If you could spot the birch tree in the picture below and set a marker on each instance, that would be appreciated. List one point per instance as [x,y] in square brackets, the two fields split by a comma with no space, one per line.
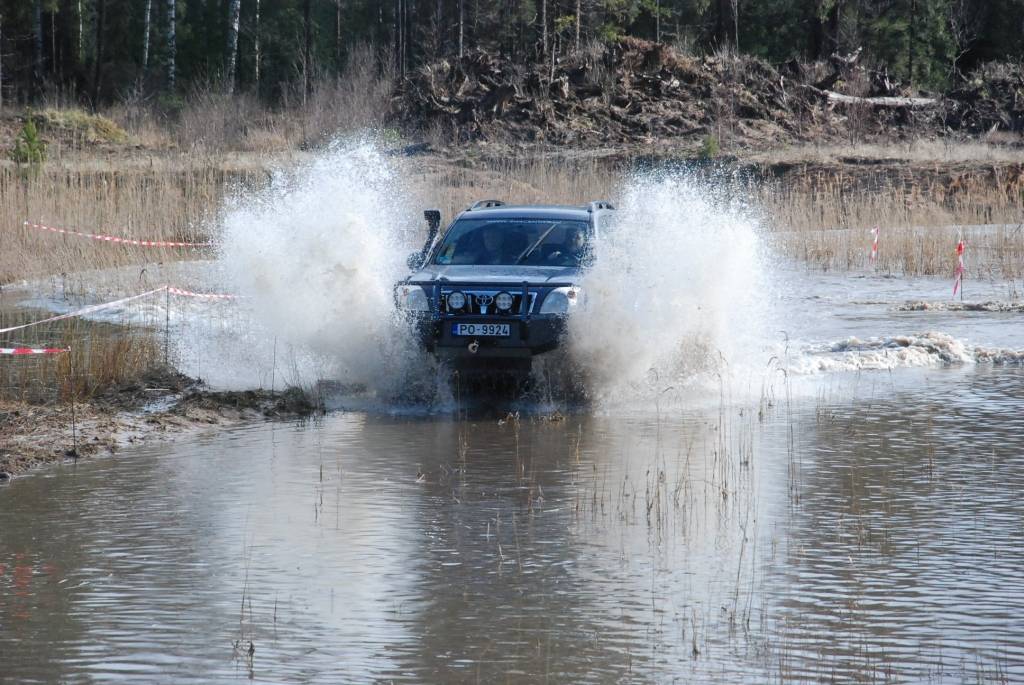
[97,74]
[145,36]
[234,11]
[37,43]
[172,45]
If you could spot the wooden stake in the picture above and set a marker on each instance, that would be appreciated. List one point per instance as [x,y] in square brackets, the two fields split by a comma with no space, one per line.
[74,418]
[167,325]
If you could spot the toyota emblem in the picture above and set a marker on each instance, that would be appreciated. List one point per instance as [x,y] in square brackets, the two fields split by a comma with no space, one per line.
[484,300]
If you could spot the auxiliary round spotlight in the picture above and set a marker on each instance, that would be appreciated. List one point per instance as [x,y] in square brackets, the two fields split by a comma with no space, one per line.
[456,300]
[503,301]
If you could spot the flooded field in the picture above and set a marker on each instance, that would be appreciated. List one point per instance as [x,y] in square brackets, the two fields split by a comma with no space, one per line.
[871,533]
[762,473]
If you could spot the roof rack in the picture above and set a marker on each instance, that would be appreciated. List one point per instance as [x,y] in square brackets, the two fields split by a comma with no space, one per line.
[599,205]
[486,204]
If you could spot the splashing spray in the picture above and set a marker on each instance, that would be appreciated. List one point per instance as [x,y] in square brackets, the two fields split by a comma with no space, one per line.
[318,255]
[673,292]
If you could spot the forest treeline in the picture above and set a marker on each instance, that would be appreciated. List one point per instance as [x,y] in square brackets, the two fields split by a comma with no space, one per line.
[97,51]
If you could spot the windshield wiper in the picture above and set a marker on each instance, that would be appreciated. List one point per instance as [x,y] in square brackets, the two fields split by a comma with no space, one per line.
[538,243]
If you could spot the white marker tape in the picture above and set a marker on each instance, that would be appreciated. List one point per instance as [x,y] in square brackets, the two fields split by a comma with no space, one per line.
[114,239]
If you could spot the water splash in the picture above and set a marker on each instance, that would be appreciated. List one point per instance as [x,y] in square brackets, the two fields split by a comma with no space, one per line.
[674,291]
[318,255]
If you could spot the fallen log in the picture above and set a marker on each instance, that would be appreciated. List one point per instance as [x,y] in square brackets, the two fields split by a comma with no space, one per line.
[882,101]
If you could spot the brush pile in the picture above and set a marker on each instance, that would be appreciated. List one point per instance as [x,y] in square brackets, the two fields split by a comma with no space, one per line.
[992,99]
[636,91]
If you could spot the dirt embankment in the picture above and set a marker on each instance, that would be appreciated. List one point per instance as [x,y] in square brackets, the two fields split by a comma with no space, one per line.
[638,92]
[158,406]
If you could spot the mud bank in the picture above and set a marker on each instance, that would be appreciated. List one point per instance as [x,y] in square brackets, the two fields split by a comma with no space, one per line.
[162,407]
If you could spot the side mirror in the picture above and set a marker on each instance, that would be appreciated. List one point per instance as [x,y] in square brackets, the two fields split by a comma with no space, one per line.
[415,261]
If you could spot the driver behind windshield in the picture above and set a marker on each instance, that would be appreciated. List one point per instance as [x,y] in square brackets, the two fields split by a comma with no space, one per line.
[572,250]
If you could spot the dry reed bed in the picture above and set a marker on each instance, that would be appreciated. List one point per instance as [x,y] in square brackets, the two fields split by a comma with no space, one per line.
[102,357]
[179,205]
[824,218]
[821,218]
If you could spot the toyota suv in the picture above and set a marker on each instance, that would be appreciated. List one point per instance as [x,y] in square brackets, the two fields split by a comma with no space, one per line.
[493,291]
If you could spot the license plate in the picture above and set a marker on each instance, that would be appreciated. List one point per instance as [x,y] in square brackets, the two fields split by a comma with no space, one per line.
[482,330]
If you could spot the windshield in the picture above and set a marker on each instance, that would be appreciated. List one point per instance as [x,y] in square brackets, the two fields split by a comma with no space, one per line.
[530,242]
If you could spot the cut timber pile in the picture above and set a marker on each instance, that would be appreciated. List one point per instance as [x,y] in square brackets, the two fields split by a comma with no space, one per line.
[638,91]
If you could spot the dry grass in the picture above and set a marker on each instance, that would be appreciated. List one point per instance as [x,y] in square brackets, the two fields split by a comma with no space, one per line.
[825,221]
[816,215]
[993,148]
[451,188]
[174,205]
[102,357]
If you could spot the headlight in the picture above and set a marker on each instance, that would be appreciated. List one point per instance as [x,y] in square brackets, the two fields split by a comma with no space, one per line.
[413,299]
[503,301]
[456,300]
[561,301]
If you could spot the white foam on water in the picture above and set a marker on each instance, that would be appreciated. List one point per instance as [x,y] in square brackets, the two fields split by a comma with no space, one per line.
[673,298]
[318,254]
[929,349]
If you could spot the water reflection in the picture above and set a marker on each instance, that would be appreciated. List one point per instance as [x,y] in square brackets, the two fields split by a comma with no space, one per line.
[866,534]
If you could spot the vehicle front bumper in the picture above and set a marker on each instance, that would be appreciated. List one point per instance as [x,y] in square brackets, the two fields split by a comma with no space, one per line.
[528,337]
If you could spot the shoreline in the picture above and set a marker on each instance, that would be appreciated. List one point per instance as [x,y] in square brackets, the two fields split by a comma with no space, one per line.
[163,407]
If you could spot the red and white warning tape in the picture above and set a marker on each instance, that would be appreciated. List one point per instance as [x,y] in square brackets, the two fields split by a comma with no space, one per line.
[33,350]
[85,310]
[115,239]
[114,303]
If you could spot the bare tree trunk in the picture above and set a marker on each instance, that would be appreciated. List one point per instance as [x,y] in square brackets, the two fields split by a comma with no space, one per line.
[441,32]
[337,36]
[462,26]
[256,47]
[234,11]
[37,44]
[97,74]
[53,41]
[657,21]
[544,27]
[172,44]
[1,62]
[736,24]
[579,20]
[835,44]
[910,42]
[307,48]
[399,48]
[145,37]
[81,35]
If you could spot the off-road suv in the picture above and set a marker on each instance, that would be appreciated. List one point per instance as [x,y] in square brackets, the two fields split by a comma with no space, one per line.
[494,290]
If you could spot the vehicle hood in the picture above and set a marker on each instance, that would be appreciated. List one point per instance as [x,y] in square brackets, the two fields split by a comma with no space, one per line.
[534,275]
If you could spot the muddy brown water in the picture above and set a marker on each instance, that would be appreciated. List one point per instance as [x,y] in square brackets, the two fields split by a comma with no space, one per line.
[871,532]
